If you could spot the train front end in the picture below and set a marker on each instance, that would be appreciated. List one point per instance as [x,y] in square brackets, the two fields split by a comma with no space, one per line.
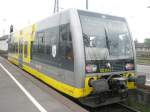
[109,58]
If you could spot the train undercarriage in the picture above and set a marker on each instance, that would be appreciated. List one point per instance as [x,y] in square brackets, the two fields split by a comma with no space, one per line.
[107,90]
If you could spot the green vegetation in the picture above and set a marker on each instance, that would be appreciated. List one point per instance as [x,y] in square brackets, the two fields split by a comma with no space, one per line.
[147,42]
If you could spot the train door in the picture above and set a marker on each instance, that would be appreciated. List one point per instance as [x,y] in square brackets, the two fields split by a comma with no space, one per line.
[20,59]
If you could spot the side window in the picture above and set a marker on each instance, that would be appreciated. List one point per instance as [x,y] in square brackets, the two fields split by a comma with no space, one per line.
[35,47]
[53,46]
[16,50]
[38,45]
[41,42]
[43,45]
[31,52]
[20,47]
[25,49]
[13,47]
[10,45]
[47,42]
[66,47]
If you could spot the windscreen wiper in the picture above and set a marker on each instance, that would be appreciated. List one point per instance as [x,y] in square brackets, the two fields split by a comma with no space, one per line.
[107,41]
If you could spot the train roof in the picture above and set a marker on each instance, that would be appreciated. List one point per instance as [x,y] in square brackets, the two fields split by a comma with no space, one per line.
[101,15]
[87,12]
[44,23]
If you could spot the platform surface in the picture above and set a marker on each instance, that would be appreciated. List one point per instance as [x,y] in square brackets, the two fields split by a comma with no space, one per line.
[14,99]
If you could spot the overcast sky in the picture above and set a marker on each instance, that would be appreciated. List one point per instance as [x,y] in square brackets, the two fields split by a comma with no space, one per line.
[21,13]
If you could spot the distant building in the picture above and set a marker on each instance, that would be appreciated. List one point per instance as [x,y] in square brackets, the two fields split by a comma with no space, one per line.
[4,43]
[141,47]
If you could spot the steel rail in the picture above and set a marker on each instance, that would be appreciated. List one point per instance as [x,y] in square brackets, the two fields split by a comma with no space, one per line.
[128,107]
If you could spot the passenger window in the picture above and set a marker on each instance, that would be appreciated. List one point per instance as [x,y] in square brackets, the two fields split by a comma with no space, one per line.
[20,47]
[25,49]
[53,45]
[42,46]
[66,47]
[41,42]
[17,48]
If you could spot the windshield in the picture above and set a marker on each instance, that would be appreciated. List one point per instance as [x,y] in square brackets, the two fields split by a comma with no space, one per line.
[105,38]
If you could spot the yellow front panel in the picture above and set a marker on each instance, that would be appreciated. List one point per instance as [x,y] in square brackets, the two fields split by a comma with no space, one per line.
[131,85]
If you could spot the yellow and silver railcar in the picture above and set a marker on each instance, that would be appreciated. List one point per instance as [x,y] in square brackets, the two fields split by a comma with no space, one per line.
[86,55]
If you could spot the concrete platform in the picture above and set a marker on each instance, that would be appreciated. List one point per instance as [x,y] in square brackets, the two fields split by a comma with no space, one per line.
[39,97]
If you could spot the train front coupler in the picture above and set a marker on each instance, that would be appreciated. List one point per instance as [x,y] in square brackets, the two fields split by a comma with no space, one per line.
[115,86]
[106,90]
[119,86]
[109,91]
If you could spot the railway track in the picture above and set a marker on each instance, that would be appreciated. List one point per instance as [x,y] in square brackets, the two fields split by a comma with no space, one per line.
[118,107]
[130,109]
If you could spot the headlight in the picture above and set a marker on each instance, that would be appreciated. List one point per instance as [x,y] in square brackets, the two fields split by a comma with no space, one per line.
[129,66]
[91,68]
